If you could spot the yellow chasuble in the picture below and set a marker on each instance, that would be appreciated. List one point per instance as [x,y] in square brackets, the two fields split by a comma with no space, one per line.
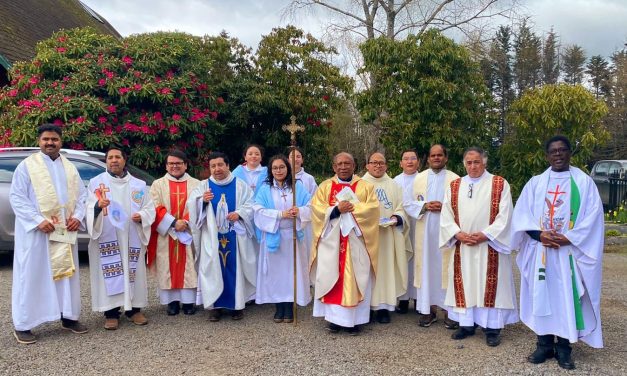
[61,259]
[333,260]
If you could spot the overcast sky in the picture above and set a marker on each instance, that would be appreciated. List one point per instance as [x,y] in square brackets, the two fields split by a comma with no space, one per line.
[599,26]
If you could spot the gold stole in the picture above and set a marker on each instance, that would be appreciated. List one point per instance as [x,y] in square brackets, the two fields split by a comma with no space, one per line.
[61,259]
[420,188]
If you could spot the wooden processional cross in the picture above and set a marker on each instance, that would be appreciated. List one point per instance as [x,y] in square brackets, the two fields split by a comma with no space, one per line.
[292,127]
[101,194]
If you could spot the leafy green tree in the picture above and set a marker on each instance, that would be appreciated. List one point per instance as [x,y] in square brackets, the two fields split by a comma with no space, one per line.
[528,60]
[430,91]
[573,64]
[599,72]
[545,112]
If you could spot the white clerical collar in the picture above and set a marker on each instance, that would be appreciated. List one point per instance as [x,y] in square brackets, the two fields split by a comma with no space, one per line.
[174,178]
[477,179]
[224,181]
[344,181]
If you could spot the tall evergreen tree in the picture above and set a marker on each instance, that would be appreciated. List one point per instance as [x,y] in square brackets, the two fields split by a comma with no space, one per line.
[501,78]
[573,61]
[550,59]
[599,72]
[528,61]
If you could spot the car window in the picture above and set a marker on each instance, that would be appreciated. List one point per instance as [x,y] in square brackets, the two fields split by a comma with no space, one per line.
[140,174]
[601,169]
[614,170]
[7,167]
[87,170]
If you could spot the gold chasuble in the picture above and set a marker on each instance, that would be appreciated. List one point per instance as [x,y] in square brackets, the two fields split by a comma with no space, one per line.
[336,259]
[61,260]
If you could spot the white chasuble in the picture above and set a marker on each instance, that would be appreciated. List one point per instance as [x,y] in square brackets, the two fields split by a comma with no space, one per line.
[204,224]
[117,248]
[480,286]
[560,290]
[36,296]
[394,245]
[430,265]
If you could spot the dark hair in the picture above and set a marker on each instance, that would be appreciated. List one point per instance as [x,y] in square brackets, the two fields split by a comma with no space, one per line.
[295,148]
[216,155]
[124,155]
[377,152]
[252,146]
[288,177]
[443,149]
[557,138]
[176,153]
[408,151]
[47,127]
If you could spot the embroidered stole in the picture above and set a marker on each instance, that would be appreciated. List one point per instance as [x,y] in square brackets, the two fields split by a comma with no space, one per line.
[61,258]
[224,202]
[493,256]
[109,246]
[335,295]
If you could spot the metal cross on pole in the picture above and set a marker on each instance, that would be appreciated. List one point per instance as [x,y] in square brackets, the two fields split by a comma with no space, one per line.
[292,127]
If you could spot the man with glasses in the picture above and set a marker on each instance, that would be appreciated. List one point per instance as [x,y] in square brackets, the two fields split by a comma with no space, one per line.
[475,225]
[345,222]
[558,227]
[170,253]
[430,266]
[394,246]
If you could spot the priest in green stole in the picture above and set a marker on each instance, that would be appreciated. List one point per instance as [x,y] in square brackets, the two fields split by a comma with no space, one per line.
[48,215]
[345,222]
[558,227]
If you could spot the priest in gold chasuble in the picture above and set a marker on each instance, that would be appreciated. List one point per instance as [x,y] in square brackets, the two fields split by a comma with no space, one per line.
[170,252]
[345,222]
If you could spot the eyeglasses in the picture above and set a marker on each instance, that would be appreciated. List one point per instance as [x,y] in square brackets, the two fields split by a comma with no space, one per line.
[470,190]
[558,151]
[377,163]
[410,159]
[175,164]
[279,168]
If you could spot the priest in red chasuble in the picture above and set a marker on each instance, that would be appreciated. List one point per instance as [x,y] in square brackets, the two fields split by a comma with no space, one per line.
[170,252]
[345,223]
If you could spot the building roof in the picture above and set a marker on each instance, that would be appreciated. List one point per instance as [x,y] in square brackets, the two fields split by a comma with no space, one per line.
[26,22]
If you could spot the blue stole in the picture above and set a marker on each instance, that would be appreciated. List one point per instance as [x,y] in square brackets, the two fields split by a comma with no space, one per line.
[227,244]
[264,198]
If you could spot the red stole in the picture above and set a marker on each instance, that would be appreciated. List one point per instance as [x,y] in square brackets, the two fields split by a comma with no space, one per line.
[334,296]
[492,272]
[177,250]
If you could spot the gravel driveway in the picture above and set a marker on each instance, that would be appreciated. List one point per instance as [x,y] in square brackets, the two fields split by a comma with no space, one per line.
[191,345]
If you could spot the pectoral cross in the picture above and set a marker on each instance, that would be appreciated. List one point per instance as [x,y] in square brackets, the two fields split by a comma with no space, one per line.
[552,207]
[284,195]
[101,194]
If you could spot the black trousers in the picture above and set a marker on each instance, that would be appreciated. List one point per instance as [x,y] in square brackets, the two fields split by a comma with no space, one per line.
[114,313]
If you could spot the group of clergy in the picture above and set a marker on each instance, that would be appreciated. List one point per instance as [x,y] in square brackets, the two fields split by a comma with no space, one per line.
[366,245]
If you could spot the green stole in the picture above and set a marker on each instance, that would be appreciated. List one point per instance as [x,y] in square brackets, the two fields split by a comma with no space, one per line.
[575,204]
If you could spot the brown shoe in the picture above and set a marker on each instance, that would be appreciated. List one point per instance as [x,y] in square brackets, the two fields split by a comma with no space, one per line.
[74,326]
[214,315]
[237,314]
[25,337]
[450,324]
[111,324]
[139,319]
[426,320]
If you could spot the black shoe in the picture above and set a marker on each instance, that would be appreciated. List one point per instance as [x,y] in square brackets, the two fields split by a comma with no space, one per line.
[174,308]
[74,326]
[463,332]
[383,316]
[562,353]
[354,331]
[25,337]
[403,307]
[237,314]
[493,339]
[541,354]
[189,309]
[279,313]
[288,310]
[333,328]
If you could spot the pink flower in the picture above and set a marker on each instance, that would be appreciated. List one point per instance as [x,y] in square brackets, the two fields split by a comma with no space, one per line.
[157,116]
[214,115]
[137,87]
[169,75]
[137,74]
[36,91]
[102,119]
[176,117]
[111,108]
[66,99]
[183,91]
[173,129]
[127,60]
[54,84]
[34,80]
[157,79]
[77,146]
[13,93]
[61,49]
[145,129]
[219,100]
[125,142]
[165,90]
[313,109]
[58,122]
[325,98]
[143,118]
[61,39]
[108,131]
[80,119]
[109,74]
[66,79]
[102,82]
[176,101]
[123,90]
[157,149]
[317,123]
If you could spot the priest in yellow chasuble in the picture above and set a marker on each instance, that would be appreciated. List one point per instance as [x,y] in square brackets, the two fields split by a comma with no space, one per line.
[170,252]
[394,244]
[345,222]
